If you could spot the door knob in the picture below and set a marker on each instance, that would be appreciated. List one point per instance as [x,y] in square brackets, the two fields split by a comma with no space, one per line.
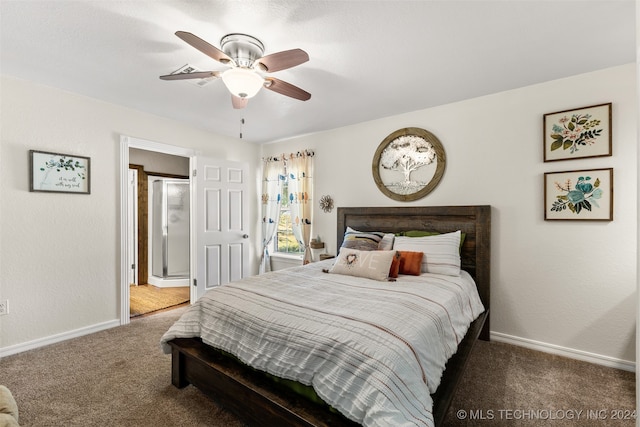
[245,236]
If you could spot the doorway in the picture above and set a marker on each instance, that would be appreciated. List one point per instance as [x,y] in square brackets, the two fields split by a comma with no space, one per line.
[149,159]
[160,228]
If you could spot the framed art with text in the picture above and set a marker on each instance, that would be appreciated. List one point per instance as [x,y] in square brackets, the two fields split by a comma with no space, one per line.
[579,195]
[578,133]
[59,173]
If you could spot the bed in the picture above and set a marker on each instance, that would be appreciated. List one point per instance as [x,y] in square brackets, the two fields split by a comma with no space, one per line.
[260,401]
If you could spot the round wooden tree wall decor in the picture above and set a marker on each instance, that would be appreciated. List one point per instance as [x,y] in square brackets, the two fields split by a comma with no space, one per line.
[408,164]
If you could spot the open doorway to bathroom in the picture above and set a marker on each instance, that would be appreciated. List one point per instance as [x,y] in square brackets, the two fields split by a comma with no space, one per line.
[159,223]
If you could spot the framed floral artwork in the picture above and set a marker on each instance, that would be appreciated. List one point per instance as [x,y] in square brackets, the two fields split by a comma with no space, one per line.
[59,173]
[579,195]
[579,133]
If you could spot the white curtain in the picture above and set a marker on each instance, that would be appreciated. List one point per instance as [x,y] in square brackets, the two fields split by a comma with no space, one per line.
[272,179]
[300,184]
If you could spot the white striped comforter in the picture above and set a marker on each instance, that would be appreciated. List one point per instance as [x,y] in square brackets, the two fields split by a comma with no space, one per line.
[373,350]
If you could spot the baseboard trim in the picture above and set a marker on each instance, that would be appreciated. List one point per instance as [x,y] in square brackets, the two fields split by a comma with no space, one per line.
[167,283]
[571,353]
[41,342]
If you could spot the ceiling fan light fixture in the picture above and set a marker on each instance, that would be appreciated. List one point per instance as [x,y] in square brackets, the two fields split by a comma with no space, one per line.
[242,82]
[245,55]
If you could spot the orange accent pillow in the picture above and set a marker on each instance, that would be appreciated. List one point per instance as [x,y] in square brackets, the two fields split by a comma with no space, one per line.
[410,263]
[395,265]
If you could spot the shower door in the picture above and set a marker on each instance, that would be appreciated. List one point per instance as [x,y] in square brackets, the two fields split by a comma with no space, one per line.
[170,229]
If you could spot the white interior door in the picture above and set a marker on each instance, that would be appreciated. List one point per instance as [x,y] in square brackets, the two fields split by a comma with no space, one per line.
[222,223]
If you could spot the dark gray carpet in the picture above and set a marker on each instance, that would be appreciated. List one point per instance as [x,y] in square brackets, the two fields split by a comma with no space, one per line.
[513,386]
[120,377]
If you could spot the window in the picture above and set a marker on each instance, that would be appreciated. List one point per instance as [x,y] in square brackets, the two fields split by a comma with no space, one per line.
[287,211]
[285,241]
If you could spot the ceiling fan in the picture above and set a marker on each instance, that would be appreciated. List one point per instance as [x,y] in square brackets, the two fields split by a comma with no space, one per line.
[244,54]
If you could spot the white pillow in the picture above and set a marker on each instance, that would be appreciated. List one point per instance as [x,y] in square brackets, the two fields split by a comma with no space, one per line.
[370,264]
[386,244]
[441,252]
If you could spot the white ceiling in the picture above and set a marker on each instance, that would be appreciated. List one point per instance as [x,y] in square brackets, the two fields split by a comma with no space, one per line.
[368,59]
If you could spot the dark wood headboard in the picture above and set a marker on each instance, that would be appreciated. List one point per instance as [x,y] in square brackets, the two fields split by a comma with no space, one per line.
[474,221]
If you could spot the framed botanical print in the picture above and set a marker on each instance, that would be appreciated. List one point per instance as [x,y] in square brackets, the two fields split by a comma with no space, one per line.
[578,133]
[59,173]
[579,195]
[408,164]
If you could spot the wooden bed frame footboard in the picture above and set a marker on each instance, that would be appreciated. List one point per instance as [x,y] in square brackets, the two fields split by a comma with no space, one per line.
[257,401]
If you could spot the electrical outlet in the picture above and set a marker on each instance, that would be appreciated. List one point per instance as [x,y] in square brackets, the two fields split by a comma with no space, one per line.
[4,307]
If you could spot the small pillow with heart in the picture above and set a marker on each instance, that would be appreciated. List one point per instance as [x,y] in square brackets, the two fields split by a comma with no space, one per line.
[370,264]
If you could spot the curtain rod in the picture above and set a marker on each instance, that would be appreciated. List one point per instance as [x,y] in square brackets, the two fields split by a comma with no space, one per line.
[284,157]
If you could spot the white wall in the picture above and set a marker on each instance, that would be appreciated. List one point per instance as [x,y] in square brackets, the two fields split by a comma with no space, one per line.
[566,287]
[60,253]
